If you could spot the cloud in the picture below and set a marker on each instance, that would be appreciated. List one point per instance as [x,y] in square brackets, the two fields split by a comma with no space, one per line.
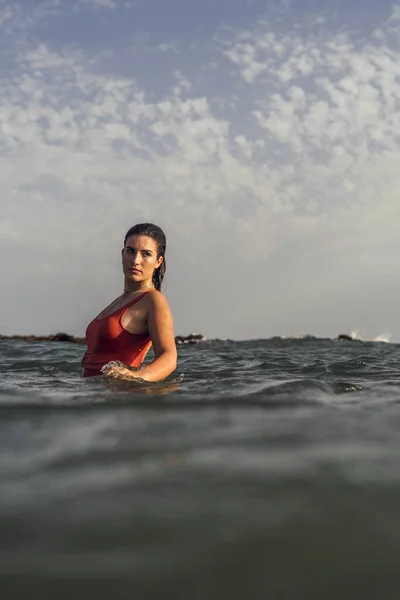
[97,4]
[278,186]
[16,17]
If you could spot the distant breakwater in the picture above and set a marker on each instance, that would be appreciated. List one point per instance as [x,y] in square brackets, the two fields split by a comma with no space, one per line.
[192,338]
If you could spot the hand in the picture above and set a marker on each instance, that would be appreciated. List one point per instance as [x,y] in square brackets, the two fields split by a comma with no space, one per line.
[117,370]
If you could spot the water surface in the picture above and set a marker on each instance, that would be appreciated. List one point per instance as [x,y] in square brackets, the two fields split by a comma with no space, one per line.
[271,471]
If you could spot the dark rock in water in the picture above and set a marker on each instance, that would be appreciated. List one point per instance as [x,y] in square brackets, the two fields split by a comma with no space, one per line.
[62,337]
[345,337]
[192,338]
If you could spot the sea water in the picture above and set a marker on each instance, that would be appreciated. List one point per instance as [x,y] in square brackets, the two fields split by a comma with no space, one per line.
[271,471]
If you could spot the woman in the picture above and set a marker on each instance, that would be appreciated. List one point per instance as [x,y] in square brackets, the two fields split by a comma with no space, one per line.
[139,318]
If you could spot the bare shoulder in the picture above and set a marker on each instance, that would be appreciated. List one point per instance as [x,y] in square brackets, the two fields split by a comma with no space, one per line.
[156,300]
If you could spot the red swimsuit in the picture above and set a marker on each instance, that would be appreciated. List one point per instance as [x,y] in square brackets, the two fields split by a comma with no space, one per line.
[107,340]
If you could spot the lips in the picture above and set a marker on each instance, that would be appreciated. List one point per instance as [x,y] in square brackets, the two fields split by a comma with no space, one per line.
[136,271]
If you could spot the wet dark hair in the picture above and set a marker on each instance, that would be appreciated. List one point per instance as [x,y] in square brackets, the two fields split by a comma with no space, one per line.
[155,233]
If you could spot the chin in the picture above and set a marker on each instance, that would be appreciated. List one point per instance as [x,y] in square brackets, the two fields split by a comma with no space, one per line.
[137,279]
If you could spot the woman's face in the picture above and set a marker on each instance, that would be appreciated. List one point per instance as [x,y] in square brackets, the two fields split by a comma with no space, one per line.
[139,258]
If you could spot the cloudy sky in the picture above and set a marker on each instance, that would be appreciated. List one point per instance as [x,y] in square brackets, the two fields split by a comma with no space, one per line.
[263,136]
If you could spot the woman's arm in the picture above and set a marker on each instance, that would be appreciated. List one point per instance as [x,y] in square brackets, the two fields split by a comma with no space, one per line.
[161,330]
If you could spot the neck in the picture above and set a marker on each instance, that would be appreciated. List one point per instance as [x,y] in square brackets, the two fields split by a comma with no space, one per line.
[130,287]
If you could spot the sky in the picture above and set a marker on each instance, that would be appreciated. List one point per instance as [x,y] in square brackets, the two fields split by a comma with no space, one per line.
[262,136]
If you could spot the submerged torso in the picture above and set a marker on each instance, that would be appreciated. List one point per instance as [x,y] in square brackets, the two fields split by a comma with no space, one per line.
[107,340]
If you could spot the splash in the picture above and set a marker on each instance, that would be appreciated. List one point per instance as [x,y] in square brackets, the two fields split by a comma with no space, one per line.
[383,337]
[355,335]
